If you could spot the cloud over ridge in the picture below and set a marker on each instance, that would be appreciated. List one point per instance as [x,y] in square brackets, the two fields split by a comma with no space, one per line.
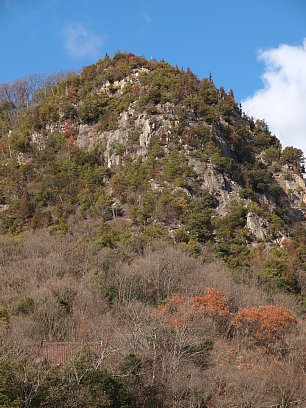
[80,42]
[282,100]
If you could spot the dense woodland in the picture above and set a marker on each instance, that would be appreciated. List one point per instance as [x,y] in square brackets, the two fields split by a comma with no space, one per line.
[188,306]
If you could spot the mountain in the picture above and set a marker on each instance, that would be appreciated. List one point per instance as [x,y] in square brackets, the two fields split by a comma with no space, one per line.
[144,145]
[117,184]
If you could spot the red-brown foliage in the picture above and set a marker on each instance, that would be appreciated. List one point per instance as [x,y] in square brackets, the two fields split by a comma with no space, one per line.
[175,311]
[117,184]
[178,309]
[212,301]
[69,130]
[264,324]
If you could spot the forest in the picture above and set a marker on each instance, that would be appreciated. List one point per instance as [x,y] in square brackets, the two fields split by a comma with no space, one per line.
[152,244]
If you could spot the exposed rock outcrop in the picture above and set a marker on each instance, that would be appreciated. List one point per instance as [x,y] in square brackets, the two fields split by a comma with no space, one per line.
[258,226]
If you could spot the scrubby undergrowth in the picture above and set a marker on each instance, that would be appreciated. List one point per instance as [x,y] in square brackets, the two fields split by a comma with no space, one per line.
[173,330]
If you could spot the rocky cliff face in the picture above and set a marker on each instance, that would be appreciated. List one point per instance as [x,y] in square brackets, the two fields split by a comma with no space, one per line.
[209,177]
[145,124]
[221,185]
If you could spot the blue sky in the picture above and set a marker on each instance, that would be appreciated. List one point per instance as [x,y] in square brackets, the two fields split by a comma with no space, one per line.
[223,37]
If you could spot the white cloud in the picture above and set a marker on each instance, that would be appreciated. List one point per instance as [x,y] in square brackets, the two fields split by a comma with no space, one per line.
[282,101]
[147,18]
[79,42]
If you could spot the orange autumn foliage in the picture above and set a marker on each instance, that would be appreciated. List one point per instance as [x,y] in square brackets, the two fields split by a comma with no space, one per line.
[178,309]
[212,301]
[263,324]
[175,311]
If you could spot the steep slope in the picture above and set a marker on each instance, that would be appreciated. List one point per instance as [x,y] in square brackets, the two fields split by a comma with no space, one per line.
[152,246]
[139,144]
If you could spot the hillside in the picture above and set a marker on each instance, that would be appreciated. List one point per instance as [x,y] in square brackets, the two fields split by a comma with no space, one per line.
[145,217]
